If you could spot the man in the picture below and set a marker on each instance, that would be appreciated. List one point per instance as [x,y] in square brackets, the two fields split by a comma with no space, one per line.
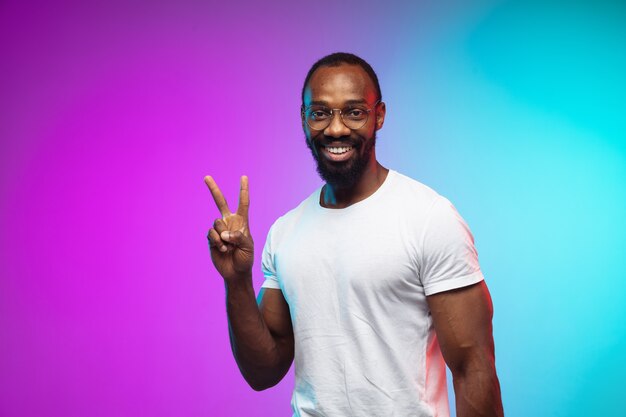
[371,282]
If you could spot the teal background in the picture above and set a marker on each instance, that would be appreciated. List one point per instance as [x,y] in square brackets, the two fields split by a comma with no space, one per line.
[519,117]
[111,114]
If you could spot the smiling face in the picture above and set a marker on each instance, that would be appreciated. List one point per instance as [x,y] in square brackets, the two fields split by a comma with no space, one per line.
[343,154]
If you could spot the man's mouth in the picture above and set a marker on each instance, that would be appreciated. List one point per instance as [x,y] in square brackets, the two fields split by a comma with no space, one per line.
[338,149]
[338,153]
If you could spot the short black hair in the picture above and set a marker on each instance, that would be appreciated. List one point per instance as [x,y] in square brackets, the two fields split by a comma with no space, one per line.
[338,58]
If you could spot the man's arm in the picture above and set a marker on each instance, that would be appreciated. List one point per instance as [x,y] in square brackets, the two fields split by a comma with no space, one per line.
[261,338]
[462,320]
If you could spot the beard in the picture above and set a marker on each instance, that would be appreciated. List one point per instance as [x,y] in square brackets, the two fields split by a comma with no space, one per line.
[344,174]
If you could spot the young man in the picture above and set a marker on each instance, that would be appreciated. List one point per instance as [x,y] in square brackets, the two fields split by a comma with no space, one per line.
[371,282]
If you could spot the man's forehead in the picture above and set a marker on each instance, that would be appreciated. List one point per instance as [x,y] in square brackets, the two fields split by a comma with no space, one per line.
[339,83]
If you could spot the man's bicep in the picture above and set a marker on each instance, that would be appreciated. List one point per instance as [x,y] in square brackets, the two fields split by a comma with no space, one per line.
[275,312]
[462,320]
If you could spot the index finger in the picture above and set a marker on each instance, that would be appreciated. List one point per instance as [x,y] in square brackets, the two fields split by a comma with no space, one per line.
[219,199]
[244,198]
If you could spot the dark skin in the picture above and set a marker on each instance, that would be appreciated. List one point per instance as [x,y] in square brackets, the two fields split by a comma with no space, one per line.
[261,331]
[261,335]
[334,87]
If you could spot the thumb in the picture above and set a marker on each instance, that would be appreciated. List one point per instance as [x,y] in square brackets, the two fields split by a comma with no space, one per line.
[236,238]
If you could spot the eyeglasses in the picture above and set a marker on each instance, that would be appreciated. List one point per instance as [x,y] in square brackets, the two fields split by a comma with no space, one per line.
[354,117]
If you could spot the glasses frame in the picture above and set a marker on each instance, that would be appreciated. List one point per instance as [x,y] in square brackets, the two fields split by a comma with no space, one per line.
[332,114]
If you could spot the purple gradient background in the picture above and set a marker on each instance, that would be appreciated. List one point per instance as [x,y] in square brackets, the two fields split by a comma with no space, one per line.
[112,113]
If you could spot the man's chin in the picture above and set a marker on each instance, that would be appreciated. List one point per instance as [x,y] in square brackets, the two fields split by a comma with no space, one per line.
[344,174]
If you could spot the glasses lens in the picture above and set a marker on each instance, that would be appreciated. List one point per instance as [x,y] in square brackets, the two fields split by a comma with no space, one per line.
[318,118]
[354,117]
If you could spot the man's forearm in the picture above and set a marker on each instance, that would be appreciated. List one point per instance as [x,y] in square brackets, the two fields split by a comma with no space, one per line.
[477,393]
[254,348]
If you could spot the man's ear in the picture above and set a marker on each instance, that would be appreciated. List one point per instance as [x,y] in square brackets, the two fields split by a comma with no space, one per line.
[381,111]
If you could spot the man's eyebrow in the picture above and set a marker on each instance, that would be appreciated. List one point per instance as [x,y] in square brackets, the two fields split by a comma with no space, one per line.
[318,103]
[348,103]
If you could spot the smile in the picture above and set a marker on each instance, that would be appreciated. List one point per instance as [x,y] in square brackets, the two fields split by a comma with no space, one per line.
[337,153]
[339,150]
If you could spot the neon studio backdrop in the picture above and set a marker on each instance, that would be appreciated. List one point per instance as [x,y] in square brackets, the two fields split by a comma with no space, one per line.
[113,112]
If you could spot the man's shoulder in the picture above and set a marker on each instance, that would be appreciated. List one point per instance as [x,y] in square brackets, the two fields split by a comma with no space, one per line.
[412,190]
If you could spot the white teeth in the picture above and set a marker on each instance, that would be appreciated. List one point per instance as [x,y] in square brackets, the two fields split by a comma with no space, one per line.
[339,150]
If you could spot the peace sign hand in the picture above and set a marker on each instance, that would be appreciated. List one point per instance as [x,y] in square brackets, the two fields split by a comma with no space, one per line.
[232,248]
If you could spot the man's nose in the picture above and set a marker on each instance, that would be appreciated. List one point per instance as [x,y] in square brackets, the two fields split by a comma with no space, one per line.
[337,128]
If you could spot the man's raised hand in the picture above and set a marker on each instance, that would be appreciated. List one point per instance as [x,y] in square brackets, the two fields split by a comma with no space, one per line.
[232,248]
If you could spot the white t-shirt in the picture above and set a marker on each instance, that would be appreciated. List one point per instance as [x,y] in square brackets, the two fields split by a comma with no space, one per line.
[356,281]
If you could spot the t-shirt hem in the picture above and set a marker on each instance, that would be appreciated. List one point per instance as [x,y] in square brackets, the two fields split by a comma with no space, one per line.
[270,283]
[455,283]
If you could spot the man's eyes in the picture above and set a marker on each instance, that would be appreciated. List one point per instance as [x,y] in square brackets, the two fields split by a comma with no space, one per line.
[319,114]
[349,112]
[354,112]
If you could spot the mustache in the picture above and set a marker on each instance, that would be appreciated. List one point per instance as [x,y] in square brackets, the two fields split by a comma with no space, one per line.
[348,141]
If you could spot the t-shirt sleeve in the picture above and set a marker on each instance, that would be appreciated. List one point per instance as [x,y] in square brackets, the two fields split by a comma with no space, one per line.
[449,258]
[267,262]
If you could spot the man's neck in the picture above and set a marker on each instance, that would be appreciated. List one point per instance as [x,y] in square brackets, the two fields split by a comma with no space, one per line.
[338,198]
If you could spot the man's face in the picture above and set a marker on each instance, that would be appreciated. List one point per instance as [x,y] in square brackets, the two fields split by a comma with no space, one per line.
[342,154]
